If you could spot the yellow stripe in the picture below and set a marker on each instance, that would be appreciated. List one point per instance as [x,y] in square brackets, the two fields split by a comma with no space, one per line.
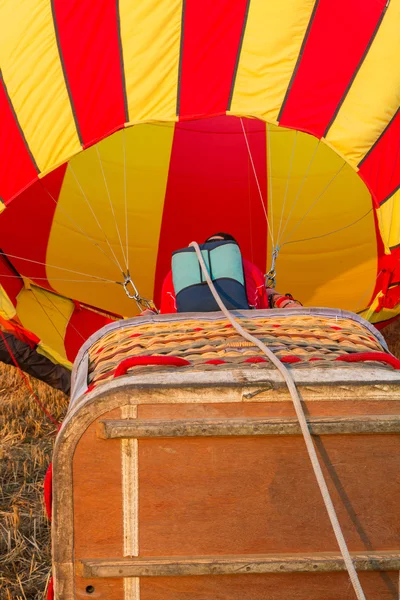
[148,150]
[339,269]
[150,36]
[383,315]
[271,45]
[47,315]
[374,95]
[389,220]
[373,306]
[32,72]
[55,357]
[7,308]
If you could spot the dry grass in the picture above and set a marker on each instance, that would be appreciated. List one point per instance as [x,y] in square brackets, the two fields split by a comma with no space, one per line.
[26,441]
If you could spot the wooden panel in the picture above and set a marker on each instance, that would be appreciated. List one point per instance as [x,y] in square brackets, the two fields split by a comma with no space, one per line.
[201,496]
[334,586]
[233,565]
[106,589]
[266,409]
[156,428]
[97,492]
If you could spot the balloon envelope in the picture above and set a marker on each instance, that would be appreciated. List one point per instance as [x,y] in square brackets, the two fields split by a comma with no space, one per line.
[126,135]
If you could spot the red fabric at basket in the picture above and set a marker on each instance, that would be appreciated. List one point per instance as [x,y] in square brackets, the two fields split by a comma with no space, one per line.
[48,490]
[376,356]
[133,361]
[50,590]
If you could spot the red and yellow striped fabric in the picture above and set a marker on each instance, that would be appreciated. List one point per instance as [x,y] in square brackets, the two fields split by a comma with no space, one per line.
[129,129]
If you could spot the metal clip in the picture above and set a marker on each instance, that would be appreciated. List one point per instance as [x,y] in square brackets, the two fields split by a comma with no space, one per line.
[133,294]
[270,277]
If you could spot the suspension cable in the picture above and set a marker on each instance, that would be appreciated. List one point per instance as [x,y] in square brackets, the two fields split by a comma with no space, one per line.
[111,204]
[95,218]
[256,179]
[48,316]
[79,228]
[315,202]
[287,376]
[317,237]
[303,181]
[126,202]
[37,262]
[34,278]
[67,319]
[287,186]
[269,179]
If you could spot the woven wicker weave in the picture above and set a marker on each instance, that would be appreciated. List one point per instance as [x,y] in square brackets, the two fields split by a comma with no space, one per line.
[301,338]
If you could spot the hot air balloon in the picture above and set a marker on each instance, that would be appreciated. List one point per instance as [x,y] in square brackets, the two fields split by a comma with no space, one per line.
[126,132]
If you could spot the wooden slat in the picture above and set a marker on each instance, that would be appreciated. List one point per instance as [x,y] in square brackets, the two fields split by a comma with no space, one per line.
[234,565]
[154,428]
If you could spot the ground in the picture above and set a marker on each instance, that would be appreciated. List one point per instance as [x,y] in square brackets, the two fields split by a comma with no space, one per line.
[26,441]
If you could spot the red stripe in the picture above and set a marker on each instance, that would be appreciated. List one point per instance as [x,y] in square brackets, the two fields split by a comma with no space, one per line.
[211,39]
[9,280]
[211,187]
[25,226]
[337,40]
[82,324]
[87,34]
[381,168]
[17,169]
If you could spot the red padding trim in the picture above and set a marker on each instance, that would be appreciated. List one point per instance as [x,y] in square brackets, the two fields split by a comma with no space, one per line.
[48,490]
[377,356]
[215,361]
[50,590]
[290,359]
[255,359]
[134,361]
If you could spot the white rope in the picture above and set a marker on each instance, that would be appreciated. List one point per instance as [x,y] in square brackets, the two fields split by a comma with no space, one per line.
[303,181]
[256,178]
[95,218]
[287,187]
[111,205]
[67,319]
[317,237]
[34,278]
[37,262]
[315,202]
[303,425]
[269,180]
[79,228]
[48,316]
[126,203]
